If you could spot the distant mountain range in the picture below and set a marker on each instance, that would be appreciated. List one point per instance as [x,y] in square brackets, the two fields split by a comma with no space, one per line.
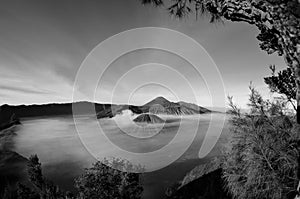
[159,105]
[11,114]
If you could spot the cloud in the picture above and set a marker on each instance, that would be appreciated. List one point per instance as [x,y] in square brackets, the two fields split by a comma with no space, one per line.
[44,43]
[25,90]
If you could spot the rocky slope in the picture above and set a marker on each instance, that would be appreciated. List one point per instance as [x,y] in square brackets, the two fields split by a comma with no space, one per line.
[148,118]
[205,182]
[161,105]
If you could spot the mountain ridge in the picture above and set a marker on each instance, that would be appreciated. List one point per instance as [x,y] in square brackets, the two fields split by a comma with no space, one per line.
[158,105]
[159,100]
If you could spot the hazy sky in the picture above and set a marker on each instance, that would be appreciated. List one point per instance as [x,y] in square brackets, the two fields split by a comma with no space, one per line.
[43,43]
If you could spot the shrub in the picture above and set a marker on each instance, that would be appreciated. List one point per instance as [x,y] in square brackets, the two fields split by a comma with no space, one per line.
[110,180]
[43,187]
[106,179]
[261,159]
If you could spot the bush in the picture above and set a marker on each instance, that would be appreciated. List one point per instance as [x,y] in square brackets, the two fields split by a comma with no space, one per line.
[115,179]
[43,187]
[261,159]
[110,180]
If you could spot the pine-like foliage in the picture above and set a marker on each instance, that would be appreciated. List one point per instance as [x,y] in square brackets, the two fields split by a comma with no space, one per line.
[261,160]
[283,82]
[110,180]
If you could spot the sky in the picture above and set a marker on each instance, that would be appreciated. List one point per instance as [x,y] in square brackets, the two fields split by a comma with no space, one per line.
[44,43]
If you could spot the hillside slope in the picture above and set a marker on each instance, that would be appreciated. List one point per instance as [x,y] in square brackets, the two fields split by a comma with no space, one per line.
[148,118]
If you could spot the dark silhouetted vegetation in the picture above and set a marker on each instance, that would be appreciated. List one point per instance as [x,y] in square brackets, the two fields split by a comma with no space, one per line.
[283,83]
[109,180]
[105,180]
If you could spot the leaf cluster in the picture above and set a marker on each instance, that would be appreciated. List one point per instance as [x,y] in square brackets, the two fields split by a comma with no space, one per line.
[261,160]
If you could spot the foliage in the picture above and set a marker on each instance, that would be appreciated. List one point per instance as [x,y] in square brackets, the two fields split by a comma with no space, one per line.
[45,188]
[35,171]
[260,106]
[24,192]
[8,192]
[283,83]
[110,179]
[261,160]
[116,179]
[42,188]
[274,18]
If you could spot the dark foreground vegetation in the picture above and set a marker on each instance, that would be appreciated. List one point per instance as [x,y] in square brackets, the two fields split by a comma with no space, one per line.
[105,180]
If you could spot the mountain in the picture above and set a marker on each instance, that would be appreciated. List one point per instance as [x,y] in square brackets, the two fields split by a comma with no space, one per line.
[148,118]
[8,122]
[194,107]
[160,101]
[10,115]
[160,105]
